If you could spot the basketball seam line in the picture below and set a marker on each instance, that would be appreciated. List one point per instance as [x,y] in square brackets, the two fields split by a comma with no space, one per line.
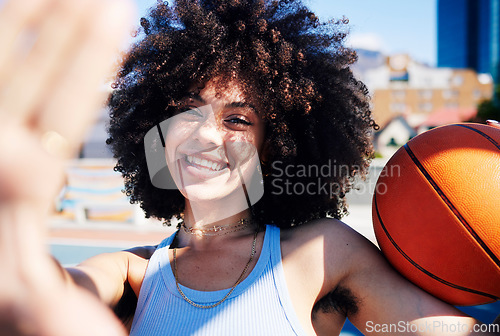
[490,139]
[450,205]
[423,270]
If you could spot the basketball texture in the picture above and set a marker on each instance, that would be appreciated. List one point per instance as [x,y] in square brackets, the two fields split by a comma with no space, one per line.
[436,212]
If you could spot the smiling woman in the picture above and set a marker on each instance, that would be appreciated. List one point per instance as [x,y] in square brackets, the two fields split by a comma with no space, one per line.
[295,76]
[211,151]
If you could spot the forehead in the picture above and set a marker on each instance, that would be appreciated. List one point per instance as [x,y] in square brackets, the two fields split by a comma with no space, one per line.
[213,90]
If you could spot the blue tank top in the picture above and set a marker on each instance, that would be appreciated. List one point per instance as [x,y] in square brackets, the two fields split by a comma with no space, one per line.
[260,304]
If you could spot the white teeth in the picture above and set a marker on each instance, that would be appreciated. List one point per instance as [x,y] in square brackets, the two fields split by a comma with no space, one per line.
[209,165]
[216,166]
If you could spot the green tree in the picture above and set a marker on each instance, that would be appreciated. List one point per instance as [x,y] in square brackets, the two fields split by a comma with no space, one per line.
[489,109]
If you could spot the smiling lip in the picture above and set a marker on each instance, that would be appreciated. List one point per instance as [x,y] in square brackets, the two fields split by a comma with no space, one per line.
[205,164]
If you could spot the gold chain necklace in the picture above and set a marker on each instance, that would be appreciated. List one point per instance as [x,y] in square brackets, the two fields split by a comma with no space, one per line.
[218,230]
[228,293]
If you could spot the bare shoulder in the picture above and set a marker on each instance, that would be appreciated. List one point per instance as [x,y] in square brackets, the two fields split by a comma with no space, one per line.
[120,259]
[143,252]
[328,228]
[138,260]
[329,246]
[335,240]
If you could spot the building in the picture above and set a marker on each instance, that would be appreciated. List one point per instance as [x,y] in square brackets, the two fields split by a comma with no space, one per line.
[469,35]
[402,87]
[367,60]
[393,135]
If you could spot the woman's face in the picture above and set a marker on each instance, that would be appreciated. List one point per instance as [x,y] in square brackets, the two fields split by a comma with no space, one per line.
[212,146]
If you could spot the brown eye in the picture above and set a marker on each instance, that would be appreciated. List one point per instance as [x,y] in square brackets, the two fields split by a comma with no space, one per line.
[238,120]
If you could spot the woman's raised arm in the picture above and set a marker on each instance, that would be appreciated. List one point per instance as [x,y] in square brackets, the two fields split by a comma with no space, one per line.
[54,57]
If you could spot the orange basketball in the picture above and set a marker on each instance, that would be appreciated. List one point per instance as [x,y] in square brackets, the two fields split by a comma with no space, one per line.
[436,212]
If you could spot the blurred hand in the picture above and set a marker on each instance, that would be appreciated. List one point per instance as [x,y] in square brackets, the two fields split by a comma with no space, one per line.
[493,123]
[55,57]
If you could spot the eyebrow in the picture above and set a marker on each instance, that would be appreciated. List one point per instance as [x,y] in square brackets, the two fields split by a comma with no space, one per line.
[241,104]
[233,104]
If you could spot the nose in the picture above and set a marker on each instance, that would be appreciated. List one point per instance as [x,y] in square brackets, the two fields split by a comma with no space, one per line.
[209,133]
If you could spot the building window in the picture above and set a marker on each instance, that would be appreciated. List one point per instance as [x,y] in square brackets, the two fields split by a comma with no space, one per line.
[477,94]
[425,94]
[398,107]
[425,107]
[399,76]
[457,80]
[398,94]
[450,94]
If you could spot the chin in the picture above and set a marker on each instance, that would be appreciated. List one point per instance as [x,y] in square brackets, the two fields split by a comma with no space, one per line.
[209,191]
[222,202]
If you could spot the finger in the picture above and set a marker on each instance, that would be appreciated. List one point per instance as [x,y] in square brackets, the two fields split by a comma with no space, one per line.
[27,172]
[31,80]
[22,237]
[79,93]
[16,18]
[493,123]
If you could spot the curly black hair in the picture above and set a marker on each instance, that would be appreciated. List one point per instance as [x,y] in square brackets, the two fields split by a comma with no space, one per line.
[316,113]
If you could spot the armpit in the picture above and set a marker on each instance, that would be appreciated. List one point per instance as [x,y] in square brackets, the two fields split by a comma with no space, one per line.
[340,300]
[125,308]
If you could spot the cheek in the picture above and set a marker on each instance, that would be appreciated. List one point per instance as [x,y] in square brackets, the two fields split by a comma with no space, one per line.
[241,149]
[173,139]
[170,150]
[240,152]
[259,143]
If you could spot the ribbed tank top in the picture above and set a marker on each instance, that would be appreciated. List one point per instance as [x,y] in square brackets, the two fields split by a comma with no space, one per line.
[260,304]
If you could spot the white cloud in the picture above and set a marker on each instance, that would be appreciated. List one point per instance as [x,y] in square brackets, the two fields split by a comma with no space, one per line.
[368,41]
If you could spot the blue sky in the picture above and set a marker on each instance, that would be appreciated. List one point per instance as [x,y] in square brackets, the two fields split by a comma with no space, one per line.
[391,26]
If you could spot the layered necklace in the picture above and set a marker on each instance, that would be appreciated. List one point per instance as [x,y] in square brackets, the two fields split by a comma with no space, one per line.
[212,231]
[218,230]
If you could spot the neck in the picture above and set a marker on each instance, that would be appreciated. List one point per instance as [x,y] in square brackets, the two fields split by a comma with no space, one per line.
[232,227]
[203,212]
[202,215]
